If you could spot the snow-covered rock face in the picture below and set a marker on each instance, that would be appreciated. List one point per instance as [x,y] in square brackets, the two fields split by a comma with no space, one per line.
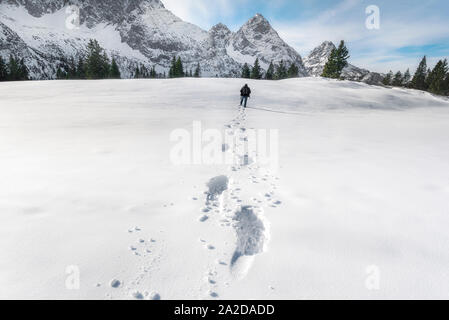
[134,32]
[92,10]
[317,59]
[258,39]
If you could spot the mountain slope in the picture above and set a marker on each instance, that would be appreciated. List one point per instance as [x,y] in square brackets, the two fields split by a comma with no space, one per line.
[257,38]
[134,32]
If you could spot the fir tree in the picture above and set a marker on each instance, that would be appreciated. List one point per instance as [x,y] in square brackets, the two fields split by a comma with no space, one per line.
[342,57]
[153,73]
[60,74]
[71,69]
[13,69]
[397,79]
[23,71]
[256,71]
[446,85]
[281,71]
[246,73]
[3,70]
[419,79]
[388,79]
[270,72]
[137,73]
[437,78]
[171,72]
[114,73]
[105,66]
[197,73]
[144,73]
[97,62]
[179,70]
[293,71]
[330,68]
[80,69]
[338,60]
[406,79]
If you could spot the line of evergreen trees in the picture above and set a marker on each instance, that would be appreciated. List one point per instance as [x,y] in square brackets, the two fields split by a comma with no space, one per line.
[177,69]
[14,70]
[434,80]
[143,72]
[273,72]
[95,65]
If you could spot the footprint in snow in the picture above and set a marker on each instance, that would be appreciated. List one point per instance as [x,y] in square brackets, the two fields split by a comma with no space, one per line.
[137,295]
[222,263]
[115,283]
[154,296]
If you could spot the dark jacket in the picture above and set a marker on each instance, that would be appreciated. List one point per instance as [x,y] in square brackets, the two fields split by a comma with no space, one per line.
[245,91]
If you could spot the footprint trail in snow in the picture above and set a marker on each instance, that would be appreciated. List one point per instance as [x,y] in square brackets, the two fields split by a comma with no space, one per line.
[237,202]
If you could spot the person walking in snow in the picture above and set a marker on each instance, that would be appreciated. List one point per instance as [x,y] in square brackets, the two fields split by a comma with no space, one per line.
[245,93]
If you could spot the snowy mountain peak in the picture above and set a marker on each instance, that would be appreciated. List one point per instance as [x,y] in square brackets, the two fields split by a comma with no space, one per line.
[326,46]
[323,50]
[219,36]
[257,39]
[318,58]
[220,28]
[258,24]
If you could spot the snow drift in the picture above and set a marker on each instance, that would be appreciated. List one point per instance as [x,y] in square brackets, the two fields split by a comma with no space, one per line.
[92,207]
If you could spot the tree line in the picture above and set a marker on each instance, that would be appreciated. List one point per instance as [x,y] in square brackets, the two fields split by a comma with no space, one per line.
[94,65]
[97,65]
[13,70]
[338,60]
[177,69]
[274,72]
[434,80]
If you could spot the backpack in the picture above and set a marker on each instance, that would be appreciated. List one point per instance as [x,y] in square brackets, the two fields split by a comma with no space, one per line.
[245,91]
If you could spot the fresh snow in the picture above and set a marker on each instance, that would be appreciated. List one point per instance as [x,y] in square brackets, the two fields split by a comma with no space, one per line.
[88,189]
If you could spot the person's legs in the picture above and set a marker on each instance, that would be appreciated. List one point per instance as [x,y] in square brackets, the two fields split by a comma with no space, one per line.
[246,101]
[241,100]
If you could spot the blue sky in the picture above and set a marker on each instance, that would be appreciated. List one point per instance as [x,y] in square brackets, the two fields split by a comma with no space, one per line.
[408,28]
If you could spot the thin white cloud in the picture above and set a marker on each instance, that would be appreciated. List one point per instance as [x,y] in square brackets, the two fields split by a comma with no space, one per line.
[200,12]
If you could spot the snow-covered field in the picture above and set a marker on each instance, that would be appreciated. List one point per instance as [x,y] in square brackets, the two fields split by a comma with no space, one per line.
[359,207]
